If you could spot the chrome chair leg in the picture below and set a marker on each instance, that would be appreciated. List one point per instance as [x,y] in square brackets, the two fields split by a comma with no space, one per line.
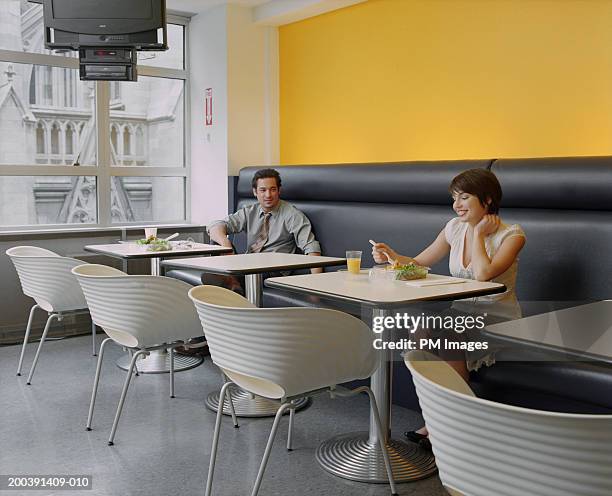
[215,443]
[290,431]
[94,391]
[231,403]
[266,455]
[93,338]
[25,338]
[374,407]
[381,439]
[40,345]
[126,385]
[171,350]
[131,353]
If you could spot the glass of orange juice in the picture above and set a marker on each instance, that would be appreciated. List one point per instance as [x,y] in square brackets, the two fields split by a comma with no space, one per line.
[353,261]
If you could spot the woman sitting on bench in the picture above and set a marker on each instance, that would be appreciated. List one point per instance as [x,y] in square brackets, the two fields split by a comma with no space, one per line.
[481,247]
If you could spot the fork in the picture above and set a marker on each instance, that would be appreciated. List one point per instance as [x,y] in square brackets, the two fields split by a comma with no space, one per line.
[391,261]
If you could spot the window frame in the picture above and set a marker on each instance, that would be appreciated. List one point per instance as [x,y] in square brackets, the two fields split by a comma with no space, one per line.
[104,171]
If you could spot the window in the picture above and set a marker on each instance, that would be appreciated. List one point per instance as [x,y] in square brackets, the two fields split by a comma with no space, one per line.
[156,105]
[126,142]
[49,199]
[139,143]
[159,199]
[55,139]
[89,153]
[69,149]
[47,87]
[171,59]
[115,148]
[115,89]
[40,139]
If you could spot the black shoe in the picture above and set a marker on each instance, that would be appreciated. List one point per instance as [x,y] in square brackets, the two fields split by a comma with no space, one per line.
[195,346]
[203,351]
[421,439]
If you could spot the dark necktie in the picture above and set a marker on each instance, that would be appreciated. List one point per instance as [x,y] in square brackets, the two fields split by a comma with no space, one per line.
[262,234]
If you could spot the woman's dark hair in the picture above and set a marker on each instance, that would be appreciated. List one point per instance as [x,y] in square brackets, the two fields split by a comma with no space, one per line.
[481,183]
[265,173]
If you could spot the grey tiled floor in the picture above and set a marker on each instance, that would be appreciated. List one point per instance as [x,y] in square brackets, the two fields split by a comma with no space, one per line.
[162,444]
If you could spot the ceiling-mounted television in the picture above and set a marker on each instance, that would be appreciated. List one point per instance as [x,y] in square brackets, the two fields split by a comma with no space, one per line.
[137,24]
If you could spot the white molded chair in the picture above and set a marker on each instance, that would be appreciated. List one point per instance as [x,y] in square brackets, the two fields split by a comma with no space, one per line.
[283,354]
[45,276]
[484,448]
[141,313]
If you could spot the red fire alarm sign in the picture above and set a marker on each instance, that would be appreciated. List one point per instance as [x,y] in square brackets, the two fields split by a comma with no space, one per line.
[208,107]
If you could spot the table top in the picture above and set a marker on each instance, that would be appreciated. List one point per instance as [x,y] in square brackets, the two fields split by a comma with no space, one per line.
[132,250]
[357,288]
[585,330]
[256,263]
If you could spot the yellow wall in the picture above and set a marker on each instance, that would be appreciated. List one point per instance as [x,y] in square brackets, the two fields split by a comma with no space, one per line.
[394,80]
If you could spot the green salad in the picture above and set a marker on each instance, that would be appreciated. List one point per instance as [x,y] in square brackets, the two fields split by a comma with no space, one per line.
[154,244]
[410,271]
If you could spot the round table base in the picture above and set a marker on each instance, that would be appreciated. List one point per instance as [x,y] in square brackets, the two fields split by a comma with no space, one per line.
[351,456]
[159,363]
[247,405]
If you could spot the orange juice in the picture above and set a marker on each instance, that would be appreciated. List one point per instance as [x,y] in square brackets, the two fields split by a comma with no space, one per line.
[353,264]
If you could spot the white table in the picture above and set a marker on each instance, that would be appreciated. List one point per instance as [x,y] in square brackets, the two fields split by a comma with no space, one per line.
[130,251]
[582,332]
[252,266]
[158,361]
[356,456]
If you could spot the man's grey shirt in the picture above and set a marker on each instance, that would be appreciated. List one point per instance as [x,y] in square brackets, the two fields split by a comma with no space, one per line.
[289,228]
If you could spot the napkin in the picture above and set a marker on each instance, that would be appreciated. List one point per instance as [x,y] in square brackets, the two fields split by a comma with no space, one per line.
[433,280]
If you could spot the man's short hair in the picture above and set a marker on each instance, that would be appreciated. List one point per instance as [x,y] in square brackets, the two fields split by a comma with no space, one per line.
[265,173]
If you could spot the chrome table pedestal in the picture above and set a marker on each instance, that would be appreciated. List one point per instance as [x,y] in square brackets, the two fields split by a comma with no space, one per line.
[357,456]
[353,456]
[158,362]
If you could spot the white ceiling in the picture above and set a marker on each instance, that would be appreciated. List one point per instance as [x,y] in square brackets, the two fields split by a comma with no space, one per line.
[199,6]
[266,12]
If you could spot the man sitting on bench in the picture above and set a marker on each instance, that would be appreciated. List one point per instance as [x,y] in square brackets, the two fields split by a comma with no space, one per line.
[271,224]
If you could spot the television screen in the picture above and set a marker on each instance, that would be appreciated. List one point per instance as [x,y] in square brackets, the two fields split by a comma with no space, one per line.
[137,24]
[107,9]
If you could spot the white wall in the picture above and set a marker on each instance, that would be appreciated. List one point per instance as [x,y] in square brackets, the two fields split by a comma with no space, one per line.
[209,150]
[239,61]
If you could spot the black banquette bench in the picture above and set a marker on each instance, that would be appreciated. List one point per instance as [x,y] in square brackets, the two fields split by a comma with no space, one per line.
[563,204]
